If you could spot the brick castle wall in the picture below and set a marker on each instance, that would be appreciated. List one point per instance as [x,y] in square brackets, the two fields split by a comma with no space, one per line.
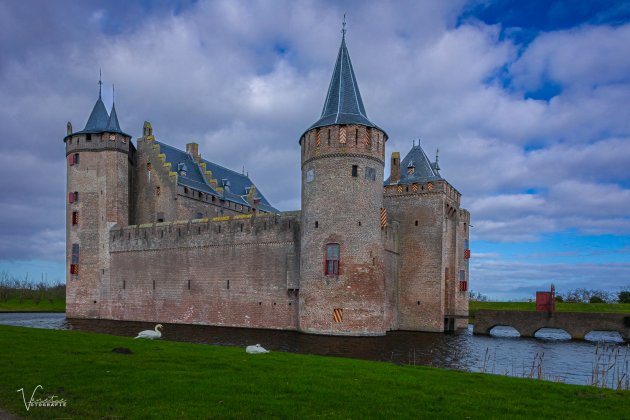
[239,272]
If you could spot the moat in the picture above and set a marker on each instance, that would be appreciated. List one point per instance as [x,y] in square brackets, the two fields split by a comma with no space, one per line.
[562,360]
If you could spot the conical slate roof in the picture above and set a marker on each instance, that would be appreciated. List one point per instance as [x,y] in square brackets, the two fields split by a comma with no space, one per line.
[423,169]
[343,102]
[112,124]
[99,118]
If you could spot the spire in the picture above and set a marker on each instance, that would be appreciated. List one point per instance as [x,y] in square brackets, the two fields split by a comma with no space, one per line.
[98,118]
[100,83]
[343,103]
[112,123]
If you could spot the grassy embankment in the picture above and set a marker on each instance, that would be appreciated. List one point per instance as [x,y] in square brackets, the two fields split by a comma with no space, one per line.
[560,307]
[165,379]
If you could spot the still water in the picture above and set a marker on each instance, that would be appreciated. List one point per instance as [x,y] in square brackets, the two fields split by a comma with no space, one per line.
[550,356]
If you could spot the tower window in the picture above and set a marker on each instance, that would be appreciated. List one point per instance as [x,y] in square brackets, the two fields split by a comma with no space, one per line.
[355,170]
[332,260]
[73,197]
[370,173]
[148,166]
[76,158]
[316,224]
[88,137]
[356,136]
[75,218]
[158,190]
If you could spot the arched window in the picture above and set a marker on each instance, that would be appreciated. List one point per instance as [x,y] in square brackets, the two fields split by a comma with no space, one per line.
[332,260]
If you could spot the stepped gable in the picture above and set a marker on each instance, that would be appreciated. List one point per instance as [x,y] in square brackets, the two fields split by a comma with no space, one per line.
[423,169]
[235,186]
[343,104]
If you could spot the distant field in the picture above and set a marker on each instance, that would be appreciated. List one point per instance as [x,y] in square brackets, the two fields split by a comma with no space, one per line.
[560,307]
[29,305]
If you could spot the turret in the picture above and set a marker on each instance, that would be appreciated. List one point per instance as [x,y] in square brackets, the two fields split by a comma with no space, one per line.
[99,161]
[342,282]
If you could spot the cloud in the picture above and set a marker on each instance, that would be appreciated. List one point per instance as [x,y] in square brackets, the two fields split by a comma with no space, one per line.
[245,80]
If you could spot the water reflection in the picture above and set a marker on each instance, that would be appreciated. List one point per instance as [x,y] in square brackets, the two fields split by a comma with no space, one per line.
[565,361]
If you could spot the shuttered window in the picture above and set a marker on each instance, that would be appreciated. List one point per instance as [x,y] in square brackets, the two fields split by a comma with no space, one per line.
[332,260]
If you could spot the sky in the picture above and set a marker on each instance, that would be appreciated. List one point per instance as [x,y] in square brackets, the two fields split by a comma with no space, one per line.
[528,103]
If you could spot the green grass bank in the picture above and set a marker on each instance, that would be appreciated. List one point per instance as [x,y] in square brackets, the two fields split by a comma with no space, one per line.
[13,304]
[165,379]
[560,307]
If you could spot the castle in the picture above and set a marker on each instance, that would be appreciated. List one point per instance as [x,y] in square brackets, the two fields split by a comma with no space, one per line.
[159,234]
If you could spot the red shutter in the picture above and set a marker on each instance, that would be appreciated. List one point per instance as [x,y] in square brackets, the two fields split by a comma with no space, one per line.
[70,160]
[74,268]
[71,197]
[467,253]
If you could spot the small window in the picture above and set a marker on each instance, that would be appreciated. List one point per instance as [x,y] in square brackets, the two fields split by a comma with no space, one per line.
[332,260]
[76,158]
[416,223]
[148,166]
[112,136]
[462,275]
[75,254]
[76,196]
[158,190]
[160,217]
[88,137]
[310,175]
[75,218]
[316,224]
[185,190]
[199,215]
[370,173]
[355,170]
[188,284]
[465,243]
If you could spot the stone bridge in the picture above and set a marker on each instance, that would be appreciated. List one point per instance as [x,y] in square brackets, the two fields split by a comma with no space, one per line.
[577,324]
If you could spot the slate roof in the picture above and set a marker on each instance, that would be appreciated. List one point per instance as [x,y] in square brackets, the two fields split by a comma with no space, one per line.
[424,169]
[343,103]
[100,121]
[239,184]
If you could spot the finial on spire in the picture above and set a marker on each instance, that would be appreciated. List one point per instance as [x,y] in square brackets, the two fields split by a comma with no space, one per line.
[100,83]
[113,94]
[343,26]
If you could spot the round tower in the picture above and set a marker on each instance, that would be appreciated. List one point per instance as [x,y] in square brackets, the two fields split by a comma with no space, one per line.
[99,162]
[342,280]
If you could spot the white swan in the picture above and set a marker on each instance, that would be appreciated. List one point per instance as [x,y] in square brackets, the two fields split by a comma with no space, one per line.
[150,334]
[256,349]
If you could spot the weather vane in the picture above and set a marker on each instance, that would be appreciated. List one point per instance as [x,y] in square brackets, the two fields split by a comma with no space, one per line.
[343,25]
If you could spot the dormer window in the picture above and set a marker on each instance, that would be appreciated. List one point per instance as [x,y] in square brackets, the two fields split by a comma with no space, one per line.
[411,168]
[182,169]
[112,136]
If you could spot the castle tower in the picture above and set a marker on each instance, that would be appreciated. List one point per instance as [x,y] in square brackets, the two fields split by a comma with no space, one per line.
[433,238]
[99,164]
[342,281]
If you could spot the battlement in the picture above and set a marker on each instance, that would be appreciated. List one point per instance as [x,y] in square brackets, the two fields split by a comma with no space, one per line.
[98,142]
[237,230]
[343,140]
[430,187]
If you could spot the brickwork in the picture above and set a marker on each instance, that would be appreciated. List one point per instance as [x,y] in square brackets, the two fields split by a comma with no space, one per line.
[239,272]
[341,202]
[99,183]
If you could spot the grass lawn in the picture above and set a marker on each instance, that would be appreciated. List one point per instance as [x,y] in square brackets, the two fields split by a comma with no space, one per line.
[560,307]
[29,305]
[165,379]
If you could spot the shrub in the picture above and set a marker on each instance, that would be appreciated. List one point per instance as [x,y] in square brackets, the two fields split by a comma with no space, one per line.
[596,299]
[624,296]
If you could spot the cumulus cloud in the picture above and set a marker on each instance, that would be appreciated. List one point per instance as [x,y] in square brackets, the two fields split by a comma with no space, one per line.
[244,80]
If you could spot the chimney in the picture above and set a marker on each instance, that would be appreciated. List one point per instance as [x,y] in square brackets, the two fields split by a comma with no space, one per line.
[394,170]
[193,149]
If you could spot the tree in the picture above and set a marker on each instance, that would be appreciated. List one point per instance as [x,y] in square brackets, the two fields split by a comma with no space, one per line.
[596,299]
[624,296]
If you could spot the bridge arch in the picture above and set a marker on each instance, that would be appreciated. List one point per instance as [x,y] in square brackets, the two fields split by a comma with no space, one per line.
[604,335]
[552,333]
[503,331]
